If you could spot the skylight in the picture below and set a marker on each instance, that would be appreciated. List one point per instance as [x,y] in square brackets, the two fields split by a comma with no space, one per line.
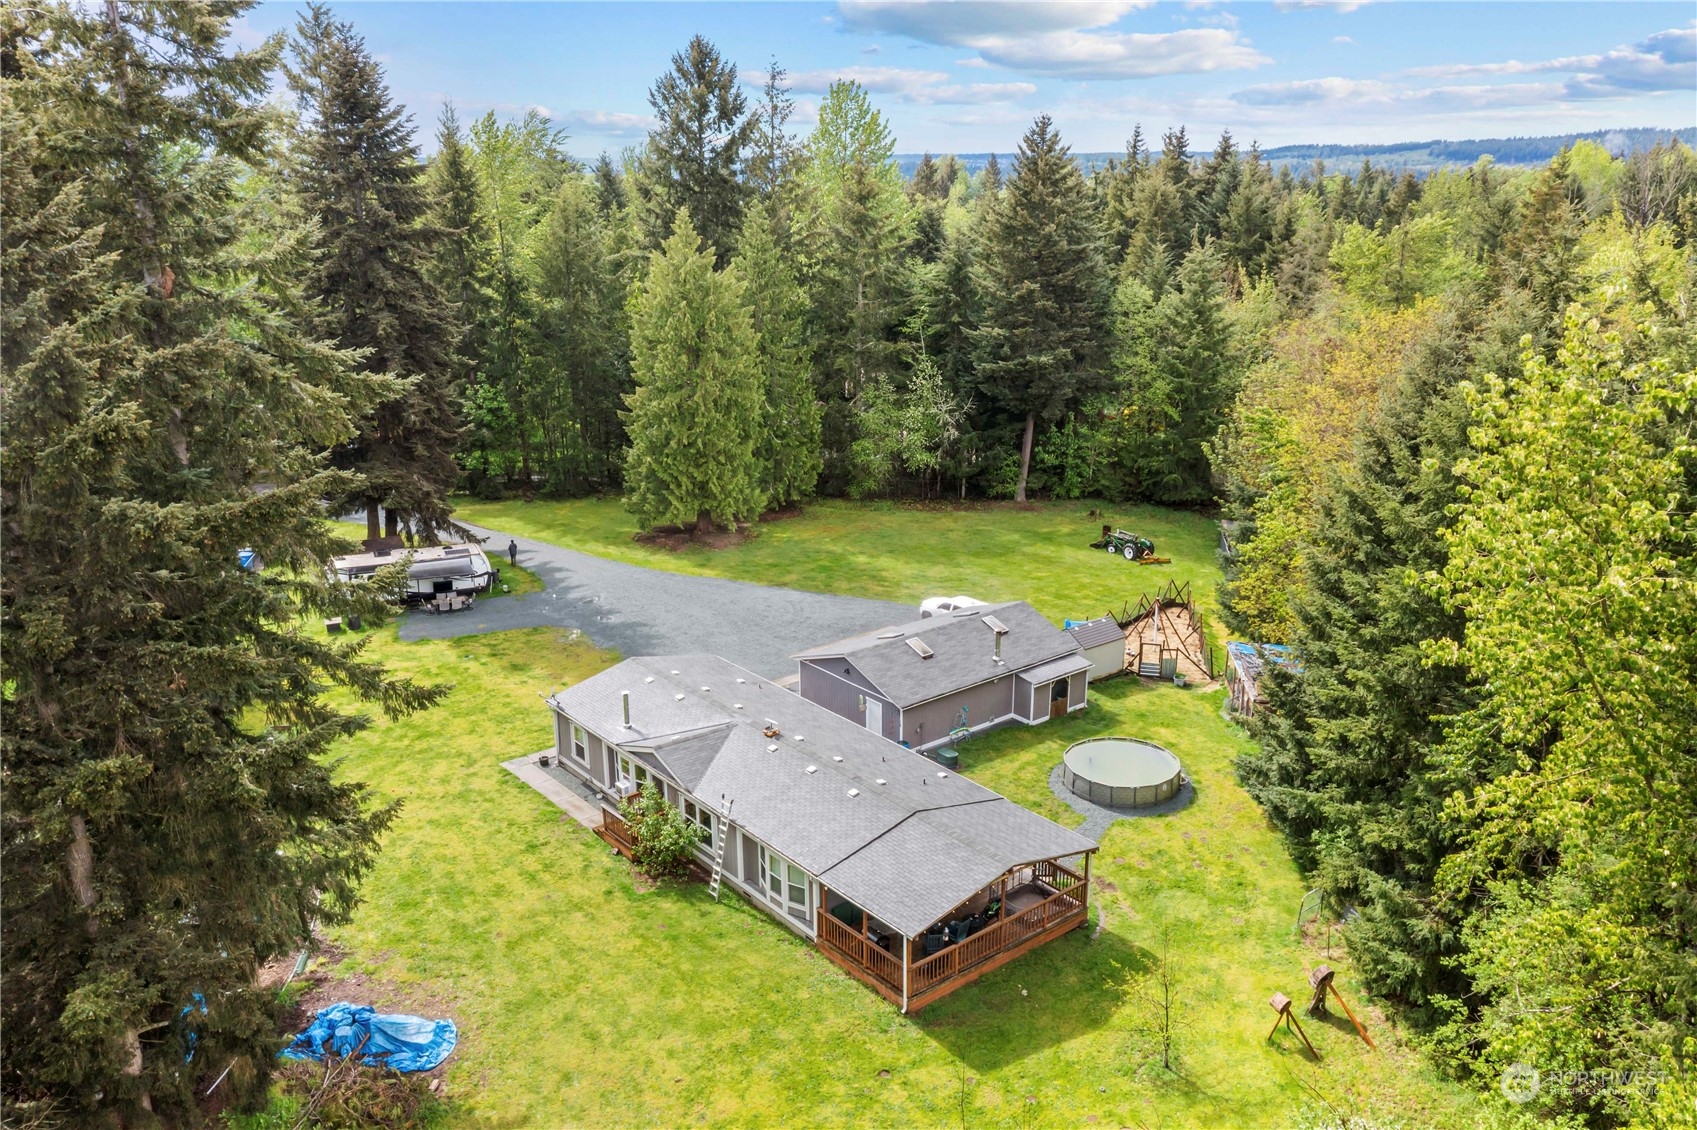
[921,648]
[813,768]
[854,792]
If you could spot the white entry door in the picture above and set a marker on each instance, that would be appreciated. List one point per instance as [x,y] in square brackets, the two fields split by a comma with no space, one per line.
[875,716]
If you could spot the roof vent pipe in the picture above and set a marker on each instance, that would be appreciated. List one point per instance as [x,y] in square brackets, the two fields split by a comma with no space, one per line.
[998,648]
[624,699]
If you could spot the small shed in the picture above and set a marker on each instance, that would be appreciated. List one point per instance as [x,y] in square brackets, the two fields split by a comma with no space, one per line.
[1245,664]
[1103,641]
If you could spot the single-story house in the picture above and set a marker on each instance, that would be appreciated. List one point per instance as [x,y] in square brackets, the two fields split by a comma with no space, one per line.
[435,570]
[1245,664]
[1103,643]
[972,669]
[912,878]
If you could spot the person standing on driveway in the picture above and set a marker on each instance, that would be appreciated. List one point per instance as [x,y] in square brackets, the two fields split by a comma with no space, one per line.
[513,550]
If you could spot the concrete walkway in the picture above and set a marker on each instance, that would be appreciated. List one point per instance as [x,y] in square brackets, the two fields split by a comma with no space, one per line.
[562,795]
[638,611]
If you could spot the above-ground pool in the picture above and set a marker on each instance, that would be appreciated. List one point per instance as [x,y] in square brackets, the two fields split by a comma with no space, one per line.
[1121,772]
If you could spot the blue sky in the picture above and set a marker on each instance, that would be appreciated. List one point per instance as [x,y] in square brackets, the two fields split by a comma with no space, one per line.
[969,76]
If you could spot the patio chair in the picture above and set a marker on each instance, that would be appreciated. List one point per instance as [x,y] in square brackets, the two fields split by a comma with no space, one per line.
[958,930]
[935,940]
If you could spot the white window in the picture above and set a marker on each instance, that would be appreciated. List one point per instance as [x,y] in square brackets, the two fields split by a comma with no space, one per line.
[701,816]
[580,744]
[785,884]
[633,770]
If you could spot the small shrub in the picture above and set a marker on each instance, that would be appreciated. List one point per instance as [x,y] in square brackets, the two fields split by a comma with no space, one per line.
[665,840]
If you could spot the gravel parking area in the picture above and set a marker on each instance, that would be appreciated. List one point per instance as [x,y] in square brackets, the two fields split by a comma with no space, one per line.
[638,611]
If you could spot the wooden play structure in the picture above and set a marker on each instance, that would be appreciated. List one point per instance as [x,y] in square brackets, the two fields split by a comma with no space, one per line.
[1163,636]
[1320,980]
[1281,1005]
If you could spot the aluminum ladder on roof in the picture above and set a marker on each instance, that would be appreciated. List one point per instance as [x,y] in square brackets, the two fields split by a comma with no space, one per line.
[721,835]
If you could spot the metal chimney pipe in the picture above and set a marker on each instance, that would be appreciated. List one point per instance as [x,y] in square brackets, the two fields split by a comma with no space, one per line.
[998,647]
[624,698]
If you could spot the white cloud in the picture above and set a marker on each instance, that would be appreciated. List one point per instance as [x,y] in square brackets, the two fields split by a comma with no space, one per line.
[1336,5]
[1666,61]
[1065,39]
[923,88]
[959,22]
[975,61]
[1347,41]
[605,123]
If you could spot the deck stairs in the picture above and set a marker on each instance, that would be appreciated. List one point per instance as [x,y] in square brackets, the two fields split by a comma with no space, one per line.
[720,837]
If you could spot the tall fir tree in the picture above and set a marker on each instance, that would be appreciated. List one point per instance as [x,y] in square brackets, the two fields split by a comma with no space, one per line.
[1350,764]
[1177,373]
[696,154]
[788,449]
[461,264]
[855,224]
[580,301]
[1045,289]
[357,172]
[696,415]
[169,818]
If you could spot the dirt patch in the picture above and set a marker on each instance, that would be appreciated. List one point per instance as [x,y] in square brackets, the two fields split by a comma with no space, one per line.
[675,538]
[782,514]
[1106,885]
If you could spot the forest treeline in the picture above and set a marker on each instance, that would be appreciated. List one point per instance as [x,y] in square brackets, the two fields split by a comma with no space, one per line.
[1452,417]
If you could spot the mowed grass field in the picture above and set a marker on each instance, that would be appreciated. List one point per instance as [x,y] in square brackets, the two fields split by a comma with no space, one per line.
[906,551]
[588,998]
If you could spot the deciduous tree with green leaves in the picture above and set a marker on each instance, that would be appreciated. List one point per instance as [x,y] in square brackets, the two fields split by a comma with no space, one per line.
[1574,559]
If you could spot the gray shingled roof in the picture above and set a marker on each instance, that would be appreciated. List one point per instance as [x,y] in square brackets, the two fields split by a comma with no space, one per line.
[963,647]
[1056,668]
[1094,633]
[908,850]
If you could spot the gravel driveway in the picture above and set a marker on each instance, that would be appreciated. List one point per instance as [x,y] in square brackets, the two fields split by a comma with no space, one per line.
[639,611]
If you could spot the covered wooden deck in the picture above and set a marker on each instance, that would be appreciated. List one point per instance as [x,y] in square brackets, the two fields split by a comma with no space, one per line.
[1039,903]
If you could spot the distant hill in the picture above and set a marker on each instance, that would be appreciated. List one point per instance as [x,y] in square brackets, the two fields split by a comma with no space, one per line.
[1414,156]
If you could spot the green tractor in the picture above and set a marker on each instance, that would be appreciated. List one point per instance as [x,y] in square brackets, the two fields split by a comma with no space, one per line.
[1133,547]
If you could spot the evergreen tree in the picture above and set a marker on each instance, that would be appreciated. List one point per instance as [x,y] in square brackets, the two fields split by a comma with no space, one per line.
[992,177]
[460,264]
[610,195]
[695,155]
[1045,289]
[169,818]
[788,449]
[1177,375]
[358,174]
[924,182]
[583,377]
[1349,766]
[695,417]
[1540,254]
[857,220]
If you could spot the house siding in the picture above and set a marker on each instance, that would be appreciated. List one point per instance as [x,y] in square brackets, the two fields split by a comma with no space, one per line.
[1106,659]
[929,723]
[1077,690]
[841,694]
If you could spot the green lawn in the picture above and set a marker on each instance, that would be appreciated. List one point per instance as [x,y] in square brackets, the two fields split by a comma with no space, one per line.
[586,1000]
[907,552]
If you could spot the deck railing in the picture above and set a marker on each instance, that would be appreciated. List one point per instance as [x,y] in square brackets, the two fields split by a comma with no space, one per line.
[615,831]
[861,950]
[1005,933]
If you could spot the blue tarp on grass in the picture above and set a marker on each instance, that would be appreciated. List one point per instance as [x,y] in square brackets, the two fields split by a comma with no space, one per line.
[404,1043]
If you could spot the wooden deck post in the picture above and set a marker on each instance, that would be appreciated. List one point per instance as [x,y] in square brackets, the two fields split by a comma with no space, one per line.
[1086,920]
[907,962]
